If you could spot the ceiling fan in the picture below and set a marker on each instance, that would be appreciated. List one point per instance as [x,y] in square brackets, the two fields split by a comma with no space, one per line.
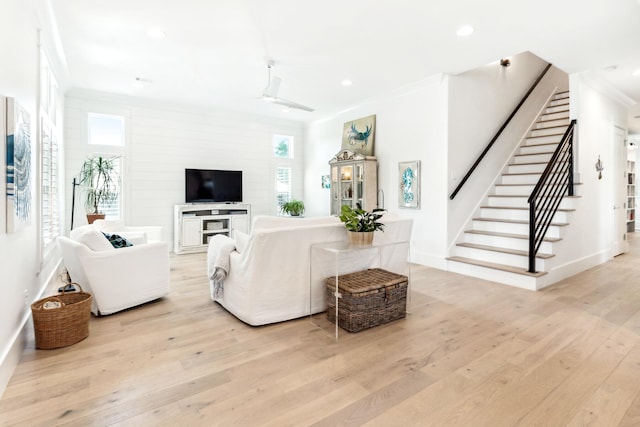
[270,93]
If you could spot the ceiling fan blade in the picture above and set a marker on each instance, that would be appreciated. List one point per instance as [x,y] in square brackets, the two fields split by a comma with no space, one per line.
[291,104]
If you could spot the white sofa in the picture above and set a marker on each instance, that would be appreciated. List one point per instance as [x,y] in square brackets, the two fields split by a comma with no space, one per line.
[117,278]
[270,279]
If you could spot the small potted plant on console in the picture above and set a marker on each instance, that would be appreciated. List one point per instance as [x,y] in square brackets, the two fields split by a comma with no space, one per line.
[361,224]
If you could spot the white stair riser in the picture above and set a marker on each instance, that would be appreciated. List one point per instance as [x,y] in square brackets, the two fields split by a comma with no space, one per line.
[558,109]
[553,139]
[506,227]
[532,157]
[505,242]
[512,279]
[521,202]
[522,190]
[519,261]
[551,123]
[518,214]
[527,168]
[555,116]
[560,101]
[511,190]
[520,179]
[561,95]
[546,131]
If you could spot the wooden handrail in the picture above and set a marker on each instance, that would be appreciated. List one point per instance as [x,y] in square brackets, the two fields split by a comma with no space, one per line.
[497,135]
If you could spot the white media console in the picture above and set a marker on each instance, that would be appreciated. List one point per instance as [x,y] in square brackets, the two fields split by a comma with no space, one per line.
[194,224]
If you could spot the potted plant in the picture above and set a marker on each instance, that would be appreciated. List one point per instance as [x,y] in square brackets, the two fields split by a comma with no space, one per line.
[100,179]
[361,224]
[292,207]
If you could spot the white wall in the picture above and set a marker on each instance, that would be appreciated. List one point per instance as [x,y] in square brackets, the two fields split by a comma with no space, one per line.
[588,241]
[24,273]
[411,124]
[163,139]
[480,100]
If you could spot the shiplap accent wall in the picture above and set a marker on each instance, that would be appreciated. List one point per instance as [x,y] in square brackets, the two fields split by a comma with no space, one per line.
[163,139]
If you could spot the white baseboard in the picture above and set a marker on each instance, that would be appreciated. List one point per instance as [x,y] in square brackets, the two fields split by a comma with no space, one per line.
[12,353]
[574,267]
[428,260]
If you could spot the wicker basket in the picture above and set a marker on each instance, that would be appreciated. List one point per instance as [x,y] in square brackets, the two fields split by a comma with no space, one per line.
[369,298]
[63,325]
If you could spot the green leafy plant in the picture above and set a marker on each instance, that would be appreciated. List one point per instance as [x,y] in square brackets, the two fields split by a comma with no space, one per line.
[360,220]
[292,207]
[101,181]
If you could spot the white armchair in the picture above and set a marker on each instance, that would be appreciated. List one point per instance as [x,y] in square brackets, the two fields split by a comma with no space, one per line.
[117,278]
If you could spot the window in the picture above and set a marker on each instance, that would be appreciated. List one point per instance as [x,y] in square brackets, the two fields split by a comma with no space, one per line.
[108,130]
[111,209]
[283,163]
[105,129]
[283,147]
[50,161]
[283,186]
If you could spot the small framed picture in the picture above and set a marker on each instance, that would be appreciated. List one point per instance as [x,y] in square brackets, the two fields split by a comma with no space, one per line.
[409,184]
[326,182]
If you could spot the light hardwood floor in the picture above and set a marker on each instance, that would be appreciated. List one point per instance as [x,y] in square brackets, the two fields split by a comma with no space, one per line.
[471,353]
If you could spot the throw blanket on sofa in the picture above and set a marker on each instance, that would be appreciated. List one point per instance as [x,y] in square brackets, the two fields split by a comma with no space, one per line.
[220,247]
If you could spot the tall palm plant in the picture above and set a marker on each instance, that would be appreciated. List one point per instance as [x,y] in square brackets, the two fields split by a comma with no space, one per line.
[99,176]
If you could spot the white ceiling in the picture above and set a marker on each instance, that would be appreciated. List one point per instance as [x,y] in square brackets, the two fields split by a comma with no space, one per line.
[215,51]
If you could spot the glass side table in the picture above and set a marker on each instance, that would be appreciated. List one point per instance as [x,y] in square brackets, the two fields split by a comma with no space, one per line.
[338,258]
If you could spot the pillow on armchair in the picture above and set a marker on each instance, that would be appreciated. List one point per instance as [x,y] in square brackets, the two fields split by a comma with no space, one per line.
[93,239]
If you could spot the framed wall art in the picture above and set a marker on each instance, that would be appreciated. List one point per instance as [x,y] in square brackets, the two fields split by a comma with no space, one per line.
[409,184]
[359,135]
[18,165]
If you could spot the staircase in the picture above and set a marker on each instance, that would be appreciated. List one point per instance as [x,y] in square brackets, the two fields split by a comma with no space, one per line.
[496,246]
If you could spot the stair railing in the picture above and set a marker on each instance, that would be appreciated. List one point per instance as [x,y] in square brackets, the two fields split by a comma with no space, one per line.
[555,182]
[499,132]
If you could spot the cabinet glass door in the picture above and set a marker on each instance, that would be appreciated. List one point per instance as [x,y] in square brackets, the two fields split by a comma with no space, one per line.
[346,185]
[335,191]
[358,187]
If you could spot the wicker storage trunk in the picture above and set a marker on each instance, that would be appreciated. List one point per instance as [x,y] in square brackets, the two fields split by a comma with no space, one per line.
[369,298]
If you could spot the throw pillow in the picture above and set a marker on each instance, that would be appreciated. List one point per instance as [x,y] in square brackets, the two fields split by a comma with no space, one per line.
[117,241]
[92,238]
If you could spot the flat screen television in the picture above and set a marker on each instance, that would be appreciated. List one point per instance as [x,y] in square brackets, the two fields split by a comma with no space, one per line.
[212,186]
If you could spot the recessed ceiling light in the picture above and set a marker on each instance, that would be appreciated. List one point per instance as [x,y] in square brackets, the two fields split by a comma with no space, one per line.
[636,72]
[464,31]
[156,32]
[347,82]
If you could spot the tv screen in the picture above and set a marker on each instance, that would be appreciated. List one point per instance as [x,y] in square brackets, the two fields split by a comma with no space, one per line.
[212,186]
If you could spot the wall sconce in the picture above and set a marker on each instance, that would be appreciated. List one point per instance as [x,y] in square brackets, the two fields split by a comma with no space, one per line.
[599,167]
[505,62]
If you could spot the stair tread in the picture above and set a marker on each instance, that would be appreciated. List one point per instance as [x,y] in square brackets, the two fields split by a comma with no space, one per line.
[510,235]
[532,185]
[550,127]
[496,266]
[540,146]
[527,195]
[520,208]
[545,136]
[533,163]
[503,250]
[516,221]
[528,173]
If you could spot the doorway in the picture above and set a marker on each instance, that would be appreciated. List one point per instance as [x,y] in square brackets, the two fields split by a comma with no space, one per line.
[620,244]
